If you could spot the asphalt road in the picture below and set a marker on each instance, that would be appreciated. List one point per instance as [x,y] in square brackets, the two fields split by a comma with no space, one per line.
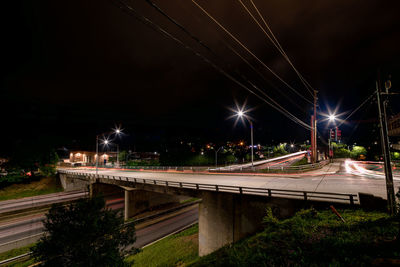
[158,230]
[33,224]
[30,202]
[280,163]
[29,225]
[331,178]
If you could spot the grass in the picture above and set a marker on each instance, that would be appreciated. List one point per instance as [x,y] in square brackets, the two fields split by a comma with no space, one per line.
[312,238]
[175,250]
[303,161]
[193,199]
[46,185]
[16,252]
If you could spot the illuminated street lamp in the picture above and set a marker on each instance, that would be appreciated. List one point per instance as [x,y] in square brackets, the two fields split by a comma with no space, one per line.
[241,114]
[106,142]
[332,118]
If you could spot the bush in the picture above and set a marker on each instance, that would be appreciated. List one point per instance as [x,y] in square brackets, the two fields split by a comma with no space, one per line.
[48,170]
[312,238]
[14,178]
[84,233]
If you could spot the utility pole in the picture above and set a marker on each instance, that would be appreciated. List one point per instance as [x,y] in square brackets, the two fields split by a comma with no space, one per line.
[312,138]
[314,130]
[97,155]
[385,147]
[252,145]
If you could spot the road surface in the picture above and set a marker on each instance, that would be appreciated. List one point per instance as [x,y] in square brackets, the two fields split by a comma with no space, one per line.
[331,178]
[37,201]
[280,163]
[166,224]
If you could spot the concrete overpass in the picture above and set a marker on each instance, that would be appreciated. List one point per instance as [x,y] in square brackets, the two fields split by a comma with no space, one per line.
[232,205]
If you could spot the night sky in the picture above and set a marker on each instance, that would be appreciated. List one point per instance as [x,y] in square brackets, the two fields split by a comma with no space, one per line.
[73,69]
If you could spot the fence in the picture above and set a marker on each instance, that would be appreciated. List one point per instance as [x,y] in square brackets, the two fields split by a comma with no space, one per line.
[269,192]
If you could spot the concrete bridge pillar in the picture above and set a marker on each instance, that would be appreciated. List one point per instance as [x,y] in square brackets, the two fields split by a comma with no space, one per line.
[72,183]
[225,218]
[138,201]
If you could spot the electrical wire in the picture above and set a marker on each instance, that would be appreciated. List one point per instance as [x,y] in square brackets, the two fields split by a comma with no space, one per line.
[156,27]
[203,44]
[356,109]
[277,44]
[248,50]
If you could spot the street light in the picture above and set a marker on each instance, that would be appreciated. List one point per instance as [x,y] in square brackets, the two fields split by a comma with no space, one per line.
[241,114]
[216,155]
[106,141]
[332,118]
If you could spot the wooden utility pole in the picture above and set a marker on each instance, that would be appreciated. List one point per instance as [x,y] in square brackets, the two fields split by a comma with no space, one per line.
[314,131]
[385,147]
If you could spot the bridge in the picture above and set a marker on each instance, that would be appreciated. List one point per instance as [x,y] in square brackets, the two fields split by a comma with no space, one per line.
[232,204]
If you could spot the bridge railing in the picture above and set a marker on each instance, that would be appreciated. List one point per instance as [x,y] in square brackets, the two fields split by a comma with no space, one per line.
[268,192]
[274,169]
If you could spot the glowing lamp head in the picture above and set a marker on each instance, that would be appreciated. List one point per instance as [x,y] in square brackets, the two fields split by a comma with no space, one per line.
[332,117]
[106,142]
[240,113]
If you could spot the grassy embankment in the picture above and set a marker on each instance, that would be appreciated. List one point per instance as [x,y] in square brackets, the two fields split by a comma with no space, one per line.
[45,185]
[310,238]
[313,238]
[174,250]
[16,252]
[303,161]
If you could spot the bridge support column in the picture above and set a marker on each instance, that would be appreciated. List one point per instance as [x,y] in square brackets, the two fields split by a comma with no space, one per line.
[137,201]
[105,190]
[72,183]
[225,218]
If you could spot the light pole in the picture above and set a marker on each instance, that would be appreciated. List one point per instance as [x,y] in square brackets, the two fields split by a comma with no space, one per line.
[252,144]
[106,142]
[216,156]
[241,114]
[332,118]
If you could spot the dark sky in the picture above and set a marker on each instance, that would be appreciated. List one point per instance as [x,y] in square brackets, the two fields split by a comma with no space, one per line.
[72,69]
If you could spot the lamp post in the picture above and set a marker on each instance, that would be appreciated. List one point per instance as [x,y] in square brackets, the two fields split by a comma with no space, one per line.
[216,156]
[241,114]
[106,142]
[332,118]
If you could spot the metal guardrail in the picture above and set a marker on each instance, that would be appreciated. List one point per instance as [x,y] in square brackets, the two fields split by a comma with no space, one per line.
[137,221]
[269,192]
[299,168]
[16,258]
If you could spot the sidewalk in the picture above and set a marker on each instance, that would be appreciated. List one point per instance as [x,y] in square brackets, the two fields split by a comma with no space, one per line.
[330,168]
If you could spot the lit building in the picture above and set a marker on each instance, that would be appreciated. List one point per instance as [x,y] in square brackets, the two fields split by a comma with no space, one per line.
[89,157]
[394,131]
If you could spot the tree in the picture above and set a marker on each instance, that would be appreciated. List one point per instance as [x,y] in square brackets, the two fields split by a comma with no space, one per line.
[280,150]
[84,233]
[357,151]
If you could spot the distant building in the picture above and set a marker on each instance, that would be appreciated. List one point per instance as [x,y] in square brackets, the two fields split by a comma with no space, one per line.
[89,157]
[394,131]
[143,156]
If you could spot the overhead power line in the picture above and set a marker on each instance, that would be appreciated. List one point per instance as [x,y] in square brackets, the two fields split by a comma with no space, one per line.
[248,50]
[156,27]
[203,44]
[357,108]
[276,43]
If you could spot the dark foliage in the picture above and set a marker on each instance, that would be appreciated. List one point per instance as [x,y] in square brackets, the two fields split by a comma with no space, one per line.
[84,234]
[313,238]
